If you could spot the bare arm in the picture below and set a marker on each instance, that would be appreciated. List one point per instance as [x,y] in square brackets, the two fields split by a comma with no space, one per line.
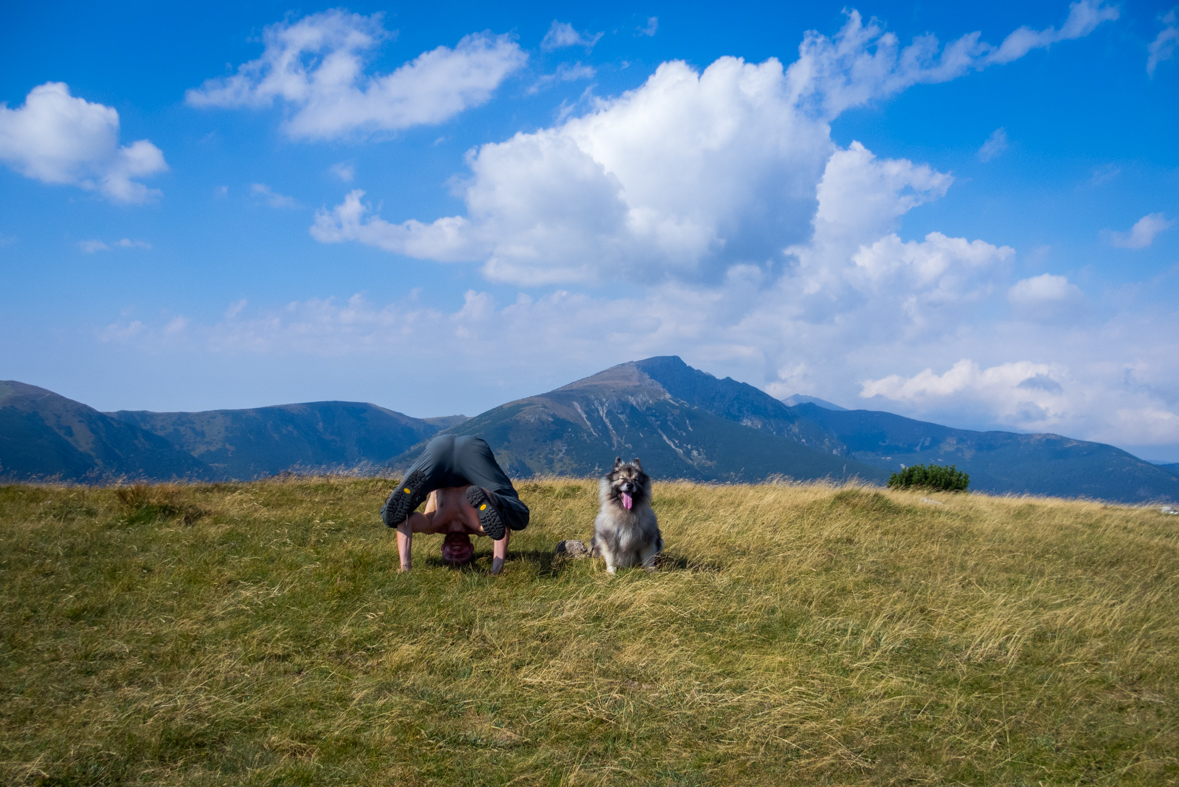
[499,552]
[415,521]
[405,544]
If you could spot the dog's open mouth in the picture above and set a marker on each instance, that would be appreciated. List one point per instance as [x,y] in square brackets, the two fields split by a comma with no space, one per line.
[627,502]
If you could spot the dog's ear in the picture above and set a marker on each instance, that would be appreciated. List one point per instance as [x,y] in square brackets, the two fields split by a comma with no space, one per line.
[637,463]
[617,462]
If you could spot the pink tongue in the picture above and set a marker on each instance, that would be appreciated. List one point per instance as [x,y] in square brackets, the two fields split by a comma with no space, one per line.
[626,501]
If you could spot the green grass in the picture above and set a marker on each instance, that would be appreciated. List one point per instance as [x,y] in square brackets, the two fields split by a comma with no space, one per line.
[259,634]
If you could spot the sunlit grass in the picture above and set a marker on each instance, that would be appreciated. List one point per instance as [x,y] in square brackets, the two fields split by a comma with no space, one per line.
[259,634]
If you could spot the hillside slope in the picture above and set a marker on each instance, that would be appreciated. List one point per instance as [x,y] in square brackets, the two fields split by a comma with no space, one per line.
[45,435]
[264,441]
[580,428]
[1001,462]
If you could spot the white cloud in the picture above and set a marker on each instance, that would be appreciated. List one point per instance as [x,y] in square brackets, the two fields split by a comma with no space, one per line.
[316,65]
[1163,46]
[1047,299]
[1083,18]
[994,146]
[273,199]
[345,171]
[444,240]
[91,246]
[651,27]
[681,176]
[1042,290]
[1040,397]
[564,73]
[863,63]
[1142,233]
[685,176]
[57,138]
[1023,393]
[562,34]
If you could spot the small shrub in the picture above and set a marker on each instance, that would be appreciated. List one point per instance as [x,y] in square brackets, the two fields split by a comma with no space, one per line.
[934,477]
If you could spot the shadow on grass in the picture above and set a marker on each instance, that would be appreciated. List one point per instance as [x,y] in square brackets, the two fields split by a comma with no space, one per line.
[551,563]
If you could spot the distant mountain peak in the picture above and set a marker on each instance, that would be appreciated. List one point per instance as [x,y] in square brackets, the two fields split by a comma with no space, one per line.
[797,399]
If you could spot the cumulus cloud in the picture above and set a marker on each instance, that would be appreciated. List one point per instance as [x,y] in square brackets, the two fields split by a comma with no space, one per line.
[59,138]
[1022,392]
[1163,46]
[651,27]
[562,34]
[1042,290]
[685,176]
[1046,299]
[1142,233]
[316,68]
[273,198]
[1040,397]
[994,146]
[680,176]
[91,246]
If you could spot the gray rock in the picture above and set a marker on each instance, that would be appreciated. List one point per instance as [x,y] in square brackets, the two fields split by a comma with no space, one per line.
[1169,510]
[573,549]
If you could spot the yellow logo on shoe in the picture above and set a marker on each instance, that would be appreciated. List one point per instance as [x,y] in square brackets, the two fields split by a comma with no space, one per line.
[483,507]
[407,490]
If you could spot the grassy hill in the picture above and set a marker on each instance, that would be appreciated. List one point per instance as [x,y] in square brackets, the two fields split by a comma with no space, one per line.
[258,634]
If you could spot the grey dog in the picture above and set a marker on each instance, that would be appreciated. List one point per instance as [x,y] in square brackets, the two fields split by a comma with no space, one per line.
[626,532]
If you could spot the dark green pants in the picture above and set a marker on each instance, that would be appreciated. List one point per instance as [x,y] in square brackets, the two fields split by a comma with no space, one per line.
[458,460]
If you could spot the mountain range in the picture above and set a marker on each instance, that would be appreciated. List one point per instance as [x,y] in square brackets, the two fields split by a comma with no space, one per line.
[682,422]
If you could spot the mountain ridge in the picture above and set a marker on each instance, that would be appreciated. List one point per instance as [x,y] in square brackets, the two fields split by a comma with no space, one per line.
[44,435]
[261,441]
[579,429]
[683,422]
[999,462]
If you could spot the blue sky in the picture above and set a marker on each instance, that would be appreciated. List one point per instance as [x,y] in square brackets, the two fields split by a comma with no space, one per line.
[964,214]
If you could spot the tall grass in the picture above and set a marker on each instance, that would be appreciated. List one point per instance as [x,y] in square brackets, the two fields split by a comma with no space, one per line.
[260,634]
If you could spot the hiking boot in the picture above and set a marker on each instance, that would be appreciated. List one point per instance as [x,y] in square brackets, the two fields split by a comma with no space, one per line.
[404,499]
[487,505]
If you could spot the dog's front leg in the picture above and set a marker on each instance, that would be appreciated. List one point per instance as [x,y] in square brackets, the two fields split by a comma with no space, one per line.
[647,557]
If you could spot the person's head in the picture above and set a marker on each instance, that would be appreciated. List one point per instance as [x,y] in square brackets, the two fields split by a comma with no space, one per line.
[457,549]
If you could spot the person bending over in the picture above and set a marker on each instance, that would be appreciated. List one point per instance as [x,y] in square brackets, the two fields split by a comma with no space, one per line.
[466,493]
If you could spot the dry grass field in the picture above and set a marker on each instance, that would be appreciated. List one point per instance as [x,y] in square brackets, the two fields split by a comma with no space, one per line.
[259,634]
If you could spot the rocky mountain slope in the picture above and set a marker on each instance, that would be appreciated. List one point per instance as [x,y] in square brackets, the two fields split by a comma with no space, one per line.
[652,409]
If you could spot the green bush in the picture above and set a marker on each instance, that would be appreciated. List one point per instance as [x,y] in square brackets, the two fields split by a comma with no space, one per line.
[935,477]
